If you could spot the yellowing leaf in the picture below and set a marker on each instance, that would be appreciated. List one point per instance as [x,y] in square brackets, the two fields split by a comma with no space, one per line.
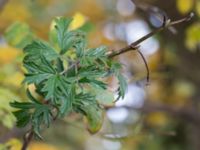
[78,21]
[184,6]
[94,119]
[8,54]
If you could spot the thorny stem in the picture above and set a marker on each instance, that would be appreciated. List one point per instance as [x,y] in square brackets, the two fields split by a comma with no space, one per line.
[134,46]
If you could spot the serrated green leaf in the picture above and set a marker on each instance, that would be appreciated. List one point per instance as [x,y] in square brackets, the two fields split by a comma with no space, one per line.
[62,25]
[73,39]
[23,117]
[38,72]
[94,116]
[22,105]
[97,52]
[104,97]
[92,72]
[51,86]
[94,83]
[122,86]
[38,48]
[68,39]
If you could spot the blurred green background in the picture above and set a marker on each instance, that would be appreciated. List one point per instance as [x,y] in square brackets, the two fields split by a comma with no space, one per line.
[162,116]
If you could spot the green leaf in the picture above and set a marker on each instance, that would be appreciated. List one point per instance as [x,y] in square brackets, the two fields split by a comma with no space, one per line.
[94,116]
[122,86]
[59,91]
[38,72]
[94,83]
[61,26]
[80,47]
[104,97]
[44,112]
[38,48]
[23,117]
[67,101]
[68,39]
[97,52]
[22,105]
[86,104]
[51,86]
[92,72]
[19,35]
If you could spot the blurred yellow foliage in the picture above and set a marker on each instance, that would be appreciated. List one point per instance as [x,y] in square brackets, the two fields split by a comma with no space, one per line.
[8,54]
[184,6]
[14,144]
[93,10]
[158,119]
[198,8]
[15,79]
[14,11]
[41,146]
[193,36]
[78,20]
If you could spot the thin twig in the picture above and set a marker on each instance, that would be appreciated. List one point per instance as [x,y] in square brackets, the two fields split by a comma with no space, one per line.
[134,45]
[146,65]
[27,139]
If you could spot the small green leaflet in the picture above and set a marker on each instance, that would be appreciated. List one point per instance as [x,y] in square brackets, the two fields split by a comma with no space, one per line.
[122,86]
[87,105]
[38,72]
[37,49]
[33,111]
[67,39]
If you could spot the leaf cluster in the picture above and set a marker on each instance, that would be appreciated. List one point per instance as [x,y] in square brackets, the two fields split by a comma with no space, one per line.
[65,83]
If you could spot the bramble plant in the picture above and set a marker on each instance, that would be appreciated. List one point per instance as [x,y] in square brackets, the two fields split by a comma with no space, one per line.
[70,77]
[67,79]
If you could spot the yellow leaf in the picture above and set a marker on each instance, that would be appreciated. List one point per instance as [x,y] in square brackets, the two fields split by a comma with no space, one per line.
[8,54]
[78,20]
[184,6]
